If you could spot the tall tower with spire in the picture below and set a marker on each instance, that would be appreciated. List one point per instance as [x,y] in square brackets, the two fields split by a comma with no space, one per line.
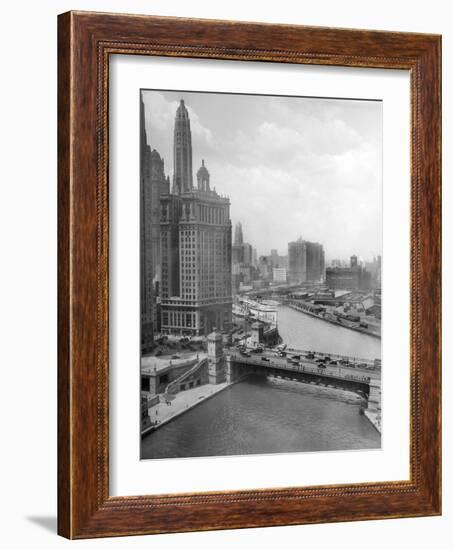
[195,231]
[182,152]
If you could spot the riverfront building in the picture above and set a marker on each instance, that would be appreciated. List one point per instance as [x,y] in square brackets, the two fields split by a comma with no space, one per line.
[305,261]
[354,277]
[195,238]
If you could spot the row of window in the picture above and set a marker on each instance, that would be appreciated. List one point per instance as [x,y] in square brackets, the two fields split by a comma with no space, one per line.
[210,214]
[179,319]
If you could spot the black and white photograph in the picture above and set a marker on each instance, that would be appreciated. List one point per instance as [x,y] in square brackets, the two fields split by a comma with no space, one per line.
[260,267]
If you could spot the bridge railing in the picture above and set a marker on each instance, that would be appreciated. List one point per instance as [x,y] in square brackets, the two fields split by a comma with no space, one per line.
[172,387]
[324,372]
[336,356]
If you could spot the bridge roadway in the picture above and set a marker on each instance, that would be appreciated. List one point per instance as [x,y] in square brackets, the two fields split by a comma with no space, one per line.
[351,362]
[350,373]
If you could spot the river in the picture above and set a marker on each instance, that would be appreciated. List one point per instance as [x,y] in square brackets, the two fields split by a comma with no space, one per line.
[302,331]
[261,416]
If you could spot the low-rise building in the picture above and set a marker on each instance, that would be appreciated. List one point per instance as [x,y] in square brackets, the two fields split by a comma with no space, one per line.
[348,278]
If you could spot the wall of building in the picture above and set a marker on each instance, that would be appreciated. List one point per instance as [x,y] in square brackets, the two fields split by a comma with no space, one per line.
[155,382]
[305,261]
[348,278]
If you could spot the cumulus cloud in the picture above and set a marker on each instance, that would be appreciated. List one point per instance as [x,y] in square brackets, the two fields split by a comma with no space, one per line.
[291,166]
[160,116]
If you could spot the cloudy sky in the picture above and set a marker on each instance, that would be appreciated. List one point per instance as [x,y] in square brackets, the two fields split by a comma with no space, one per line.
[291,166]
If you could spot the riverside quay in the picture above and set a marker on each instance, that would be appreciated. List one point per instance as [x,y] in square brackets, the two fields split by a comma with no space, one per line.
[208,374]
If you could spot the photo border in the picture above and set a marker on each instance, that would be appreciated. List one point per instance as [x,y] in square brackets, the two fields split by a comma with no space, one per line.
[85,41]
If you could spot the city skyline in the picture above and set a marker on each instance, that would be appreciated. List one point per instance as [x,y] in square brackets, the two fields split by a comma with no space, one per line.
[319,153]
[332,258]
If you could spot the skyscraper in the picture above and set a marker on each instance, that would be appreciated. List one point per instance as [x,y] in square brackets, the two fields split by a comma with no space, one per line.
[238,249]
[146,277]
[195,246]
[297,261]
[315,261]
[182,152]
[306,261]
[238,236]
[247,254]
[153,183]
[242,259]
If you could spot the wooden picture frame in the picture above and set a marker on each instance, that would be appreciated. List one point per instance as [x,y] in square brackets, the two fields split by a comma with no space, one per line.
[85,42]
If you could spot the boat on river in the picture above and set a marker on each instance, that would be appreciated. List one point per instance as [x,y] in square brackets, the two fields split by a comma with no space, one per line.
[265,310]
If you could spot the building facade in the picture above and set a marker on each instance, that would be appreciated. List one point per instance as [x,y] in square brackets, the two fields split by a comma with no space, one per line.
[297,261]
[195,239]
[306,262]
[374,268]
[153,183]
[280,275]
[354,277]
[238,235]
[315,261]
[243,271]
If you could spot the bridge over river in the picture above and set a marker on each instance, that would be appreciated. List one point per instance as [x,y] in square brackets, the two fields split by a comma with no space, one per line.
[365,380]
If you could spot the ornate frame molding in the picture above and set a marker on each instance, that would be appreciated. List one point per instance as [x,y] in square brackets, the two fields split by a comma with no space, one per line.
[86,40]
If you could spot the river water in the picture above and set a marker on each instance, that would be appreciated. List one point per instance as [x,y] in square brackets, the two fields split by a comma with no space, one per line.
[302,331]
[260,416]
